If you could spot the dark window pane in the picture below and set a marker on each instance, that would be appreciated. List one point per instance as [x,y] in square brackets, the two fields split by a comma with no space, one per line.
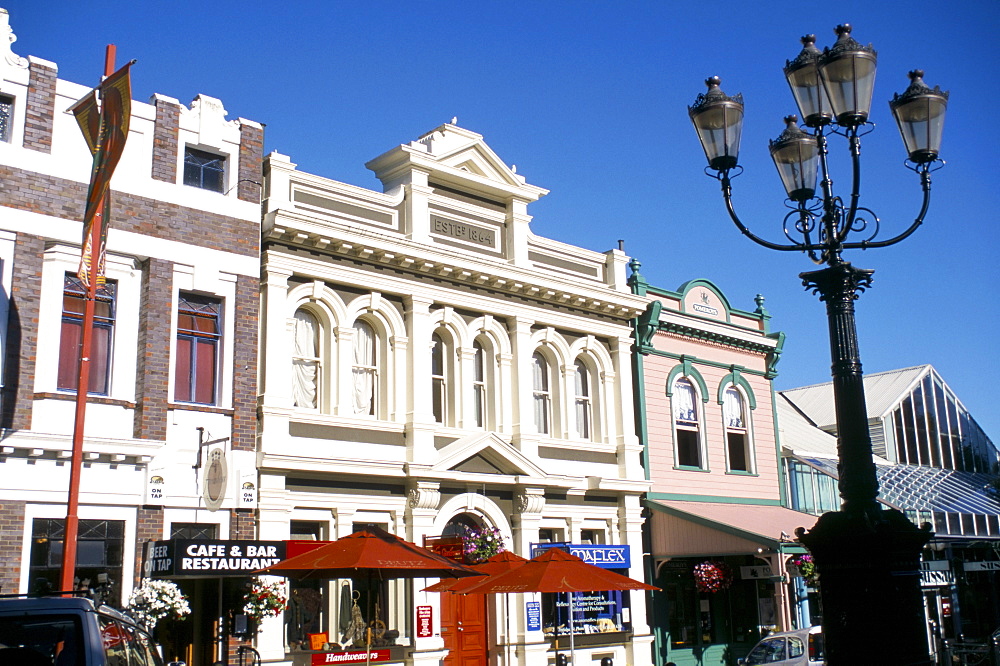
[204,170]
[688,454]
[738,452]
[6,110]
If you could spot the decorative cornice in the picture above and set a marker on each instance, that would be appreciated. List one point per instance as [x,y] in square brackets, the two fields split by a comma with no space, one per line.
[714,337]
[600,299]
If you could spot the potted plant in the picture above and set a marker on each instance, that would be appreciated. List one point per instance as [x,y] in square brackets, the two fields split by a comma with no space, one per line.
[264,600]
[804,566]
[711,576]
[154,600]
[480,544]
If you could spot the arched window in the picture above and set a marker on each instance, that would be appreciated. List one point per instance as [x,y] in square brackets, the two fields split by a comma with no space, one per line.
[737,434]
[306,363]
[542,397]
[479,384]
[582,409]
[687,425]
[439,380]
[365,369]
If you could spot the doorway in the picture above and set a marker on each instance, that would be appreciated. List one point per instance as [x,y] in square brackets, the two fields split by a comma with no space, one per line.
[464,628]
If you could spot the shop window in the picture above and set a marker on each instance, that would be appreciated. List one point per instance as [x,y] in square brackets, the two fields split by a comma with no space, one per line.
[737,432]
[583,409]
[687,425]
[540,383]
[6,117]
[366,376]
[306,362]
[99,550]
[71,335]
[194,531]
[204,170]
[479,384]
[199,332]
[306,612]
[593,612]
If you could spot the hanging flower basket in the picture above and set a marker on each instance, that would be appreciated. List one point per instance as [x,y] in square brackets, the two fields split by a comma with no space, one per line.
[481,544]
[712,576]
[805,567]
[156,599]
[265,600]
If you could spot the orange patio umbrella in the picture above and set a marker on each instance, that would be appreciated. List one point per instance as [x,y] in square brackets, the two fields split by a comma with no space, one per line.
[499,563]
[371,552]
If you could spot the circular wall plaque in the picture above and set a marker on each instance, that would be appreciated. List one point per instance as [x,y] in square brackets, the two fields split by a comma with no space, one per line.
[215,479]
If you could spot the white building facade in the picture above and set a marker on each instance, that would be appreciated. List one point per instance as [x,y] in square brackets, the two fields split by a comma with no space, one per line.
[431,366]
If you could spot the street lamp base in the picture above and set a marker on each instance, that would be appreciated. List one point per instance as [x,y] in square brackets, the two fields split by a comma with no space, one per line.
[869,576]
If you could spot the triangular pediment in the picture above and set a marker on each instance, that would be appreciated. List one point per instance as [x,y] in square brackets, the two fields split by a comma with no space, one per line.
[486,453]
[479,160]
[456,157]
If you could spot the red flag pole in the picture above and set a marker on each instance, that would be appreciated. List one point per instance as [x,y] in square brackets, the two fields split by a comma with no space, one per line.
[83,382]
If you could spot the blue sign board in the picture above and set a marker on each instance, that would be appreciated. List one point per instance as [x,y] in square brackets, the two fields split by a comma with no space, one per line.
[606,557]
[533,610]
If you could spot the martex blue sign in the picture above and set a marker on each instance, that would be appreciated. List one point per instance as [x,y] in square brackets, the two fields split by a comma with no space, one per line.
[607,557]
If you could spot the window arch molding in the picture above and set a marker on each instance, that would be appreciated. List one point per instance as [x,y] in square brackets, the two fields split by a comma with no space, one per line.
[319,296]
[735,378]
[686,370]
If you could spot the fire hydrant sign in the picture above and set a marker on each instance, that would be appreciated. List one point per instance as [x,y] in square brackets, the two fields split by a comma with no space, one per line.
[349,657]
[425,621]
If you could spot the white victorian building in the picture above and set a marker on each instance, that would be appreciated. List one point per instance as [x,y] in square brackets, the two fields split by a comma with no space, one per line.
[431,366]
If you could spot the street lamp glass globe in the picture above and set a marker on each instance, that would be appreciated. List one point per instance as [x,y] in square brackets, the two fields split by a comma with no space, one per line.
[718,119]
[796,155]
[920,112]
[847,70]
[802,74]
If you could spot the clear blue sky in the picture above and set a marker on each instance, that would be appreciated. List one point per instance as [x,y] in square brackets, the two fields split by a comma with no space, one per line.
[589,100]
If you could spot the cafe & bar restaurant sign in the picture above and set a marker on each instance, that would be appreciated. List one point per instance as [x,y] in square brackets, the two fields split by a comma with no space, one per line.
[192,558]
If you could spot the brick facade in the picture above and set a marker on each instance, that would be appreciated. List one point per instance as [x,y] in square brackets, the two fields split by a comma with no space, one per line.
[165,134]
[242,524]
[245,364]
[149,527]
[48,195]
[153,364]
[22,332]
[251,159]
[40,107]
[11,532]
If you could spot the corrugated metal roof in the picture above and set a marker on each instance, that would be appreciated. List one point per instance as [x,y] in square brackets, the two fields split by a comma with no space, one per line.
[799,436]
[746,525]
[883,390]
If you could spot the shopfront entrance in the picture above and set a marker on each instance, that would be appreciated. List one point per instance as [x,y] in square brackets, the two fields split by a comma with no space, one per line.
[465,629]
[214,575]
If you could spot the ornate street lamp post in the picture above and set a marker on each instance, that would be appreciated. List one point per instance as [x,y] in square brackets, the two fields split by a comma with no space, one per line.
[867,557]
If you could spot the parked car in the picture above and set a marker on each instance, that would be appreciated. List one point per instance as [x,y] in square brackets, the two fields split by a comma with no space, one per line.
[802,647]
[70,631]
